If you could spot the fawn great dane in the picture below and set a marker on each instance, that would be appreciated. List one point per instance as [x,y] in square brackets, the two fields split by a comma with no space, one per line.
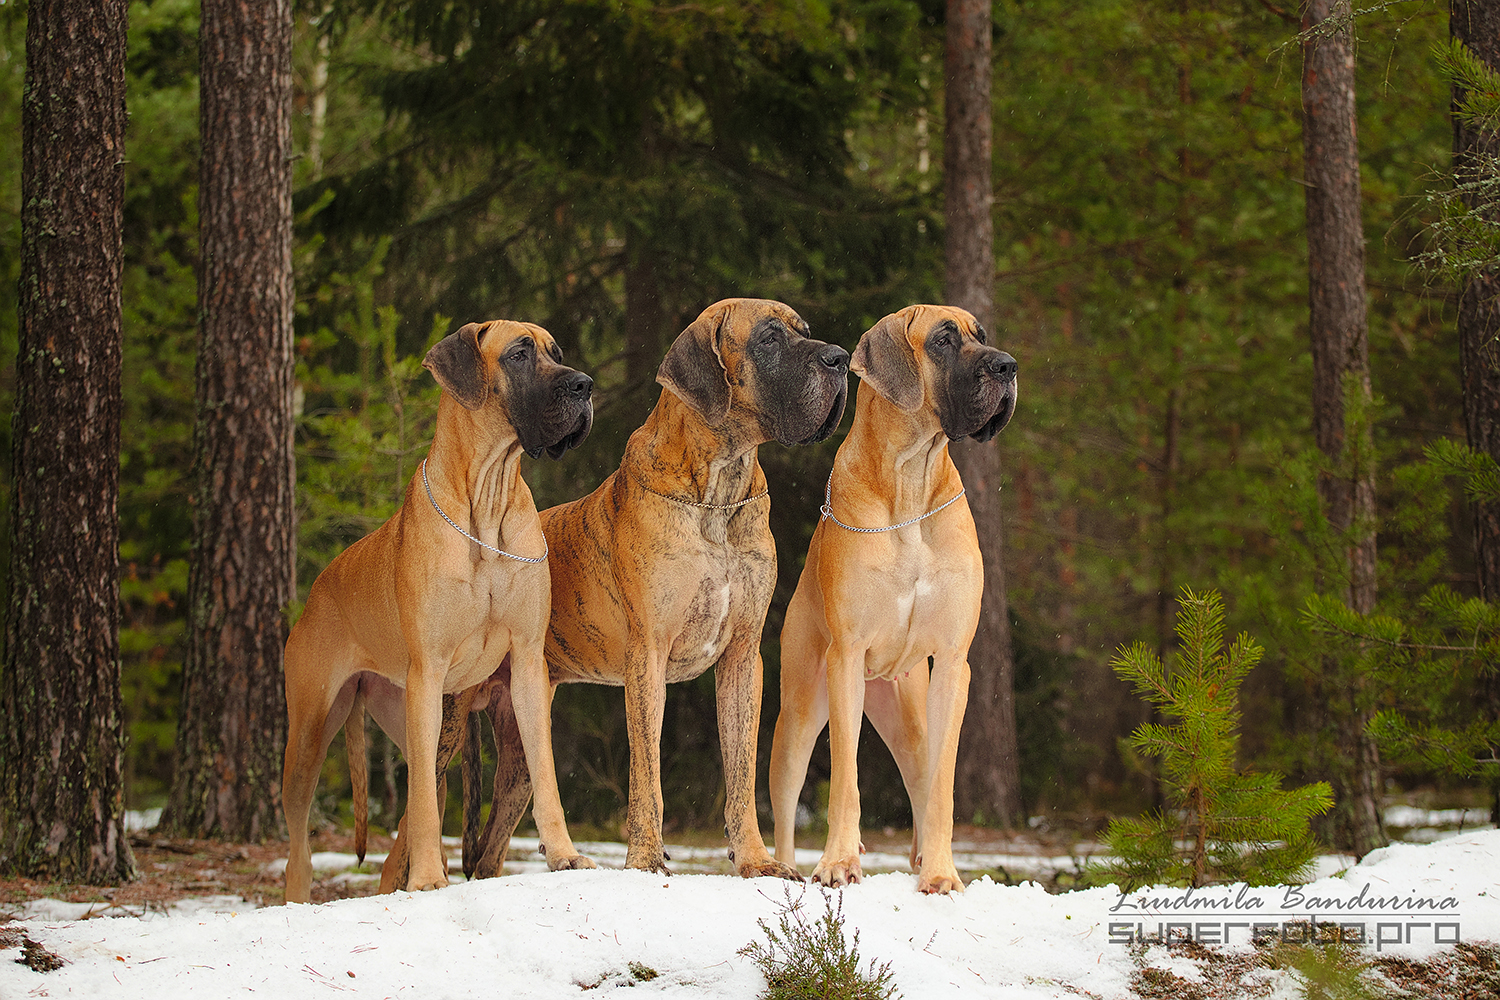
[449,591]
[893,576]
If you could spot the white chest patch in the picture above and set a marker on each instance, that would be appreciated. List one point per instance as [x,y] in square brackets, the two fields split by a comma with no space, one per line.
[903,643]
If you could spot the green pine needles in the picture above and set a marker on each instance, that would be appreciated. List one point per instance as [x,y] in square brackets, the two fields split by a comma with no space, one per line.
[1462,237]
[804,960]
[1219,824]
[1431,658]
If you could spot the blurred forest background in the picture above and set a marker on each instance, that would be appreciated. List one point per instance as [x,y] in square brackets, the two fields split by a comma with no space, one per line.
[607,169]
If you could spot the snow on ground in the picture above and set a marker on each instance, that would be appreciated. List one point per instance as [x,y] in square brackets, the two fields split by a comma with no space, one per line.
[551,934]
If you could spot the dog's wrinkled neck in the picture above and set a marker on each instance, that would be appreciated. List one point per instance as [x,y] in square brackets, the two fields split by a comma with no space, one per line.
[895,454]
[482,489]
[675,454]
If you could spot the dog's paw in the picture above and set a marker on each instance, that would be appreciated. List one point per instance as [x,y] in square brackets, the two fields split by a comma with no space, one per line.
[648,860]
[940,883]
[573,862]
[837,874]
[769,867]
[423,885]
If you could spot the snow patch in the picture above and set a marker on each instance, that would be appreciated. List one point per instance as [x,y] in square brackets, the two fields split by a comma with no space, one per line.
[546,934]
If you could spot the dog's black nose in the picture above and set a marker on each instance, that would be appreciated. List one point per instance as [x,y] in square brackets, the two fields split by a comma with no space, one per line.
[578,384]
[1001,365]
[833,356]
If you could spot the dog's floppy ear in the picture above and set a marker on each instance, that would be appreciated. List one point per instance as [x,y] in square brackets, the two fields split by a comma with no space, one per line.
[458,366]
[884,359]
[694,369]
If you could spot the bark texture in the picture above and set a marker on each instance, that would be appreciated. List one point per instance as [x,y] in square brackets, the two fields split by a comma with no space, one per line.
[1476,23]
[1341,371]
[987,784]
[233,721]
[61,802]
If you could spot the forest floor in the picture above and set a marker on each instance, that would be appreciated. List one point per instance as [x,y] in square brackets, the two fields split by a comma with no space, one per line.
[172,870]
[175,870]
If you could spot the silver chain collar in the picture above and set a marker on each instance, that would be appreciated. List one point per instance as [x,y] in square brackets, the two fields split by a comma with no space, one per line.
[483,545]
[705,506]
[827,511]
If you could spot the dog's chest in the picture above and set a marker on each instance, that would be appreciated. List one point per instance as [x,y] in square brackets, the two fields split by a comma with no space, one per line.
[732,590]
[496,610]
[706,630]
[915,609]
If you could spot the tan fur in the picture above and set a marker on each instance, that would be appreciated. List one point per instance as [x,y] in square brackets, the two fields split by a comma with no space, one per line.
[870,608]
[414,610]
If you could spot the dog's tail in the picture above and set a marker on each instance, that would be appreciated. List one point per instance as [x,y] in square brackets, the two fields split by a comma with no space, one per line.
[359,772]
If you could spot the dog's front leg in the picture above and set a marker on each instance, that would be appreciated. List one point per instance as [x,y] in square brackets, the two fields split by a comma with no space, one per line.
[738,679]
[846,700]
[424,721]
[947,697]
[645,701]
[531,696]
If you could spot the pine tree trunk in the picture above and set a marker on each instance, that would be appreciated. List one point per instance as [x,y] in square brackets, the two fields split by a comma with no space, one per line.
[61,798]
[987,784]
[1476,23]
[1341,364]
[233,721]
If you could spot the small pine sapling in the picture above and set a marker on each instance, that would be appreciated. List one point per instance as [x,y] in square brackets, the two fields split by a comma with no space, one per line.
[1219,824]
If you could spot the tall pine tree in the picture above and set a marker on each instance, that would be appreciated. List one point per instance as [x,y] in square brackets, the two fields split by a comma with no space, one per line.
[988,782]
[233,721]
[1339,332]
[1475,24]
[61,802]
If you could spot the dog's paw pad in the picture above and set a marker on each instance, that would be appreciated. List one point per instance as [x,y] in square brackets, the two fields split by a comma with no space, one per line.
[940,885]
[839,874]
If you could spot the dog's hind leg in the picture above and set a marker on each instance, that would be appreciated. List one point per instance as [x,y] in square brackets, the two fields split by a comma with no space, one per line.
[512,788]
[318,703]
[472,768]
[898,710]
